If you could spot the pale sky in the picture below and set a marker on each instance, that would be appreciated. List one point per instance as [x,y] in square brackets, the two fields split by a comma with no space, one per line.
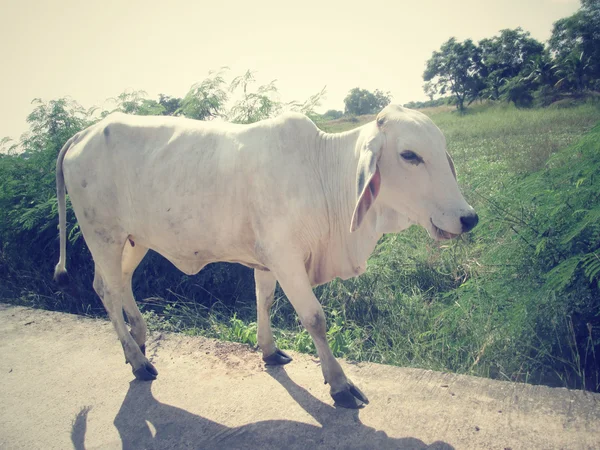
[93,50]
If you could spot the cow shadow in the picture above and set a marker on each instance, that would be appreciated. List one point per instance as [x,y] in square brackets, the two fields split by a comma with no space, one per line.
[145,423]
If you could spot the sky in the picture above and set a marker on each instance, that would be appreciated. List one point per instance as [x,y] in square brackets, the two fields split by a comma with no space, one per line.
[94,50]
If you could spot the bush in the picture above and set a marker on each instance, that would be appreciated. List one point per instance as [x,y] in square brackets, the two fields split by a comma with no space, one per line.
[430,103]
[332,114]
[553,245]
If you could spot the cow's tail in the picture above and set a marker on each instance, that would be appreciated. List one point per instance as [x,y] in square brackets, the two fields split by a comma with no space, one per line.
[60,272]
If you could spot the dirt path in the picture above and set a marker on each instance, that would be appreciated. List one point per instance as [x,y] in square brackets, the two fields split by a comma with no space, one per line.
[64,384]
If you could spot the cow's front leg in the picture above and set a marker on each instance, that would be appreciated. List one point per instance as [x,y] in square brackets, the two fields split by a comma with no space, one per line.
[296,285]
[265,290]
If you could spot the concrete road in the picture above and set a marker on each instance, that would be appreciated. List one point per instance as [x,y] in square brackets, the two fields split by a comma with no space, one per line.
[64,384]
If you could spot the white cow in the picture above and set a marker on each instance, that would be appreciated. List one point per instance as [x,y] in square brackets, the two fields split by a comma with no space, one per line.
[298,205]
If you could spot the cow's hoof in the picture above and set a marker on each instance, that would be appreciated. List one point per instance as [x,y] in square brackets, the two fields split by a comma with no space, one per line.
[351,397]
[146,372]
[279,358]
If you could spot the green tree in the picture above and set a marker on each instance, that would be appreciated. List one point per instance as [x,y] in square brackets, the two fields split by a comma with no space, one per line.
[206,99]
[430,90]
[170,104]
[253,105]
[574,72]
[504,57]
[361,101]
[518,90]
[52,123]
[309,105]
[28,211]
[263,102]
[453,69]
[134,102]
[577,34]
[332,114]
[540,70]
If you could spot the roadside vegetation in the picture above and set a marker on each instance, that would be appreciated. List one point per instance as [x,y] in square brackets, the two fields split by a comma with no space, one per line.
[517,299]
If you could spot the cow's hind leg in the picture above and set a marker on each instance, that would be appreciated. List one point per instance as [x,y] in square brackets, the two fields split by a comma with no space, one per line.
[110,287]
[265,290]
[133,253]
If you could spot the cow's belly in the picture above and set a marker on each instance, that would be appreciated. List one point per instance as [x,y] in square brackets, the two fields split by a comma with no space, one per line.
[192,267]
[191,250]
[189,267]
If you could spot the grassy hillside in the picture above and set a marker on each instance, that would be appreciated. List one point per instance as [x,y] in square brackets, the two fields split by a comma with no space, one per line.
[516,299]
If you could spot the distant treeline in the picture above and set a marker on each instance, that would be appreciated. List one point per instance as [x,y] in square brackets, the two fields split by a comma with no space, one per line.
[515,67]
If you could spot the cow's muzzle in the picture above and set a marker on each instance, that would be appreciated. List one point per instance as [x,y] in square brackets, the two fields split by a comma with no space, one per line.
[469,222]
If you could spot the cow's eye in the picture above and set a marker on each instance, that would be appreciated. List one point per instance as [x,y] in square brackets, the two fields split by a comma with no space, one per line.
[411,157]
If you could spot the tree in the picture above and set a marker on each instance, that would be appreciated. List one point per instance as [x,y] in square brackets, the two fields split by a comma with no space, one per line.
[52,123]
[540,70]
[332,114]
[262,103]
[578,35]
[205,100]
[518,90]
[133,102]
[382,99]
[504,57]
[493,85]
[309,105]
[170,104]
[360,101]
[454,69]
[430,90]
[574,71]
[28,217]
[253,105]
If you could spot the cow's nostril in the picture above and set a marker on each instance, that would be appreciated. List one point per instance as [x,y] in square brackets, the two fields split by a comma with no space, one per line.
[469,222]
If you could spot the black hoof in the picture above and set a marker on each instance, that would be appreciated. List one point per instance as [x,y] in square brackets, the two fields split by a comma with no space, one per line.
[279,358]
[351,397]
[62,279]
[146,372]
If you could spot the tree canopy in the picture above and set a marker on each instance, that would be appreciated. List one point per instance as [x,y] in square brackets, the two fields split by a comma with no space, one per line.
[453,70]
[361,101]
[515,67]
[581,31]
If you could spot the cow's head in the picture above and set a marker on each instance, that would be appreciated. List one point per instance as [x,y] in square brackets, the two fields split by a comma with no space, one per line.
[403,164]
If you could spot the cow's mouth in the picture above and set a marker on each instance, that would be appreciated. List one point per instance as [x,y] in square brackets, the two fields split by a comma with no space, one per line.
[442,234]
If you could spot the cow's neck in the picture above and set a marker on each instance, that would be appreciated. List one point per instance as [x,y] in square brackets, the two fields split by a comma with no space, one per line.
[347,252]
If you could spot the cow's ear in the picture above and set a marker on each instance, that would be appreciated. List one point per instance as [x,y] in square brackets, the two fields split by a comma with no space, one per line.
[368,178]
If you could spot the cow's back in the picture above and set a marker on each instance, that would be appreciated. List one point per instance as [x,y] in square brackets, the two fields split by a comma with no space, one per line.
[193,190]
